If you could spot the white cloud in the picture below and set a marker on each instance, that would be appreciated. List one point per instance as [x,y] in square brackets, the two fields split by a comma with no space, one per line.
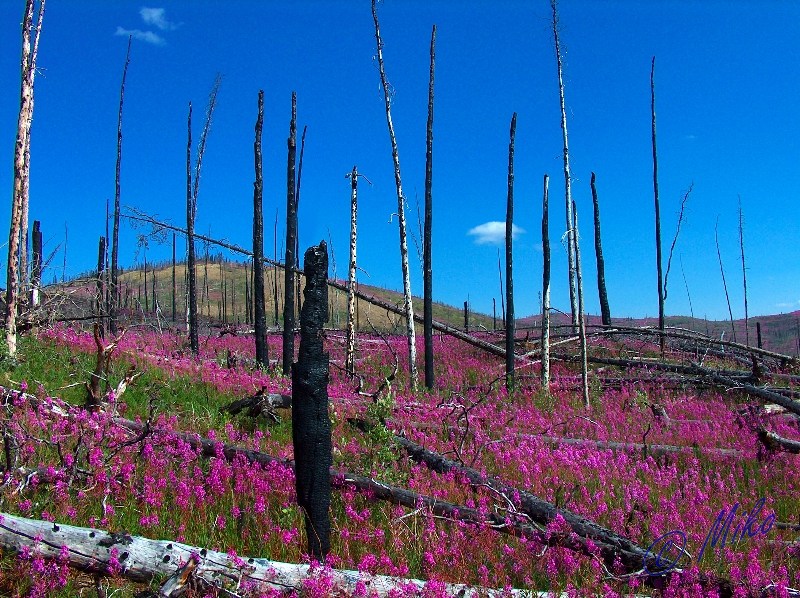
[791,305]
[493,233]
[145,36]
[156,17]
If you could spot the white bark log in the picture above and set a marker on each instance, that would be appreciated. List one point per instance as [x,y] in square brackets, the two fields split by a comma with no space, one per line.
[141,559]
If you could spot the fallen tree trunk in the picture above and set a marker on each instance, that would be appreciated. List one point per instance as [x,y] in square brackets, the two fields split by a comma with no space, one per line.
[441,327]
[141,559]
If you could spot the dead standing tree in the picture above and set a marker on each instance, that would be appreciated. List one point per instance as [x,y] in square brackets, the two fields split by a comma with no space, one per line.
[192,190]
[601,265]
[581,316]
[427,268]
[657,208]
[291,243]
[510,324]
[573,299]
[22,168]
[401,213]
[311,425]
[113,295]
[744,274]
[546,286]
[260,324]
[36,266]
[351,275]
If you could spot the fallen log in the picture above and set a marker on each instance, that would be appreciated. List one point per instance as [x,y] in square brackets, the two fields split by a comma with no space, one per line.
[141,559]
[756,391]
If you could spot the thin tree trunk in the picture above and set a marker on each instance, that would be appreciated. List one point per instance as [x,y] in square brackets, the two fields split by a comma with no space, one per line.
[744,275]
[36,267]
[115,230]
[657,208]
[191,291]
[758,334]
[174,281]
[573,301]
[101,261]
[601,266]
[582,317]
[291,238]
[466,317]
[23,248]
[546,286]
[275,271]
[146,300]
[724,284]
[21,171]
[427,268]
[298,294]
[510,324]
[351,276]
[502,294]
[262,350]
[401,213]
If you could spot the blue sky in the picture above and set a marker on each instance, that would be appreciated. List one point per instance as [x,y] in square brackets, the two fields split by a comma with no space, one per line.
[727,84]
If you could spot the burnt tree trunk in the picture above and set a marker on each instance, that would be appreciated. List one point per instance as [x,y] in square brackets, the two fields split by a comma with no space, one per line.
[174,281]
[36,266]
[601,265]
[114,294]
[350,361]
[758,334]
[546,286]
[191,289]
[466,317]
[291,236]
[581,316]
[510,324]
[101,262]
[311,426]
[427,267]
[298,294]
[260,323]
[657,208]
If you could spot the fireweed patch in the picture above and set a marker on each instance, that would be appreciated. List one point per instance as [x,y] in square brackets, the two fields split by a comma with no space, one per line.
[162,488]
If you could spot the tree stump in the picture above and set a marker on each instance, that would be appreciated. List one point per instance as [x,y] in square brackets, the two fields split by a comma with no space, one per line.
[311,426]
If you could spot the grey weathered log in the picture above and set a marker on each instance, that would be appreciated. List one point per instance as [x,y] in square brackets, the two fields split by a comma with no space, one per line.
[142,559]
[311,424]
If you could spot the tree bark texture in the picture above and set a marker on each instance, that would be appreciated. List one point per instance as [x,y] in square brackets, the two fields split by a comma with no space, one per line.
[21,176]
[573,299]
[581,317]
[427,266]
[510,324]
[401,212]
[260,324]
[546,286]
[291,242]
[101,263]
[36,266]
[115,230]
[311,425]
[350,359]
[605,311]
[657,207]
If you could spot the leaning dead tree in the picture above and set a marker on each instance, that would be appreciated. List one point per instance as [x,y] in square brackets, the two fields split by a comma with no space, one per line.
[192,190]
[546,286]
[260,323]
[291,243]
[401,212]
[510,324]
[350,359]
[744,275]
[573,299]
[311,425]
[581,316]
[724,283]
[427,268]
[22,169]
[113,295]
[601,264]
[657,206]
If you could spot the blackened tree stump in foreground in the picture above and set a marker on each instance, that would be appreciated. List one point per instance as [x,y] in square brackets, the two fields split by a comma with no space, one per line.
[311,426]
